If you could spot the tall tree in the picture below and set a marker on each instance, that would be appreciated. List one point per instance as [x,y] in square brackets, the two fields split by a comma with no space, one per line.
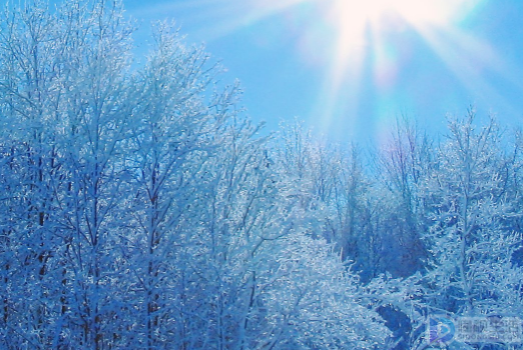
[470,242]
[403,163]
[141,209]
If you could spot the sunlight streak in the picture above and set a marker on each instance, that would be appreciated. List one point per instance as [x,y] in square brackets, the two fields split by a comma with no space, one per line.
[473,61]
[363,33]
[364,48]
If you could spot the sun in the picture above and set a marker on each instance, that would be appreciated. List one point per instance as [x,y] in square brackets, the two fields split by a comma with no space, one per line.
[360,47]
[351,19]
[414,11]
[360,33]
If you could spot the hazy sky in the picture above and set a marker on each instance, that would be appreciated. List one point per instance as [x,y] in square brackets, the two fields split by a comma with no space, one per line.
[349,68]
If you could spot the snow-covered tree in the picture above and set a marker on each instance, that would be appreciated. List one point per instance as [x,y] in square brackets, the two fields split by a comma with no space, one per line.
[469,241]
[140,209]
[466,216]
[403,163]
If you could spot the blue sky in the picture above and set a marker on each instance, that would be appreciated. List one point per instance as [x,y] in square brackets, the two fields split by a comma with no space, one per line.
[349,73]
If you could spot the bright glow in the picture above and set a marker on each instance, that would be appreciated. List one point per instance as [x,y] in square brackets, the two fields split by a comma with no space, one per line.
[352,18]
[439,12]
[362,30]
[364,47]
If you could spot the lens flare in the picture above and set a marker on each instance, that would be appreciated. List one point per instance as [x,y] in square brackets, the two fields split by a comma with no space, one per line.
[363,47]
[365,50]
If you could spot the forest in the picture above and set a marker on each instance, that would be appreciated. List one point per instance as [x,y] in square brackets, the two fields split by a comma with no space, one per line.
[140,208]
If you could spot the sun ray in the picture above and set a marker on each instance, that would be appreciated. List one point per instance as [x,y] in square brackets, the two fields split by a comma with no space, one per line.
[472,61]
[362,39]
[357,43]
